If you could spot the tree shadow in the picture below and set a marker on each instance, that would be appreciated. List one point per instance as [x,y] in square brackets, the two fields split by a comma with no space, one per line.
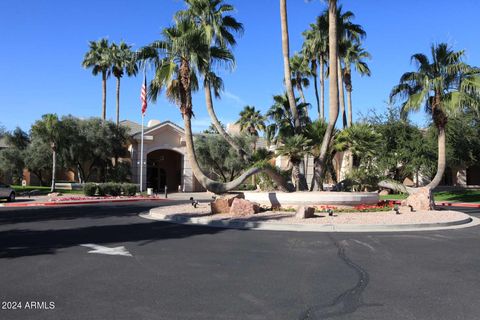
[25,242]
[25,215]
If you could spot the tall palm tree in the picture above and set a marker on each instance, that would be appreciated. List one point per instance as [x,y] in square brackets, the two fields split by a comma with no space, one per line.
[123,61]
[315,50]
[251,121]
[333,87]
[48,129]
[213,16]
[354,55]
[98,58]
[287,73]
[178,57]
[437,85]
[295,147]
[300,74]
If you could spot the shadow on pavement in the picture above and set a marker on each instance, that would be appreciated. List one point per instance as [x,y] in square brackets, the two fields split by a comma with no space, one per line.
[26,242]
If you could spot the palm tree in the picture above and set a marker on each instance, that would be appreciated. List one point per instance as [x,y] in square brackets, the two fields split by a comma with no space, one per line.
[295,147]
[123,60]
[283,122]
[252,122]
[98,58]
[333,87]
[437,85]
[220,28]
[355,55]
[286,63]
[178,57]
[300,74]
[48,130]
[315,50]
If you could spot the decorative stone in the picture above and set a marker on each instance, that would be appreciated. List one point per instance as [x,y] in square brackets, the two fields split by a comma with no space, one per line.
[241,208]
[305,212]
[223,203]
[384,192]
[421,199]
[54,194]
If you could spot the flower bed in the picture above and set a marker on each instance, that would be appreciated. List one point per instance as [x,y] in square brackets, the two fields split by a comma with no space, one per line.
[79,198]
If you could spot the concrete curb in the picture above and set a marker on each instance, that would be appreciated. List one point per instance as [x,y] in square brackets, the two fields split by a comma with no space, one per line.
[67,203]
[271,226]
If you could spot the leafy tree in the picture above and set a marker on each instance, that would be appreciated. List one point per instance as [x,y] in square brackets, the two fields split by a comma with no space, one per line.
[99,59]
[48,130]
[218,158]
[12,163]
[18,139]
[38,160]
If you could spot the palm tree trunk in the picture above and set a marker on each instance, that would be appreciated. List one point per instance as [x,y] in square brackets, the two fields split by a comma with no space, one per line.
[322,88]
[341,93]
[315,85]
[349,102]
[441,161]
[296,175]
[104,95]
[286,63]
[215,186]
[118,102]
[54,166]
[333,87]
[300,91]
[217,124]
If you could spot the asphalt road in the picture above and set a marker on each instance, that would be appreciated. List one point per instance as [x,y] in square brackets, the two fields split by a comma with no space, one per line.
[184,272]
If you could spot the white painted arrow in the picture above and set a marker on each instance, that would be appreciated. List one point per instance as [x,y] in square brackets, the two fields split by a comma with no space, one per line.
[115,251]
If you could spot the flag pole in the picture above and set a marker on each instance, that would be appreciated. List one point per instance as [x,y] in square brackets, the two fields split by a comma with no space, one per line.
[141,143]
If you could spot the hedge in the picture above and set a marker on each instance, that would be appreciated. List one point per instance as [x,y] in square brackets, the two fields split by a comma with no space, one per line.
[109,189]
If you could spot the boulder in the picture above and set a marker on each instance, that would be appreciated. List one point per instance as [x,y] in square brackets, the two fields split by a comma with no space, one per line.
[305,212]
[223,203]
[384,192]
[242,208]
[421,199]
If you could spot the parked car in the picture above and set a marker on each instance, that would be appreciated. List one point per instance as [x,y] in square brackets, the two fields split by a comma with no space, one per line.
[6,192]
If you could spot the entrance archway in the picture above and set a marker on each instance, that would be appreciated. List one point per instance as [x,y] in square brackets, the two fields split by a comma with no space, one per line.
[164,168]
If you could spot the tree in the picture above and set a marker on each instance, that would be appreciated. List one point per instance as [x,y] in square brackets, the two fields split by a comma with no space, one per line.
[18,139]
[300,74]
[220,28]
[48,130]
[282,121]
[354,55]
[184,50]
[315,50]
[99,59]
[38,160]
[295,147]
[286,63]
[333,87]
[217,157]
[436,84]
[251,121]
[122,61]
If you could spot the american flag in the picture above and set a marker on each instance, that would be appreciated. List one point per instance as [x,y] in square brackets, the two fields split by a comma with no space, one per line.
[143,95]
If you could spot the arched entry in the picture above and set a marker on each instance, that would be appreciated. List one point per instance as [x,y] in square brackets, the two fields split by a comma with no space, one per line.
[164,168]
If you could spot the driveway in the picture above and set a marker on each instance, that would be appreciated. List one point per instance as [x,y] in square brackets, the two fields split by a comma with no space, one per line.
[104,262]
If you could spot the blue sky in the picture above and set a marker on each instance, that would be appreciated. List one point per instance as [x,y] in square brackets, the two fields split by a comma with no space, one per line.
[43,43]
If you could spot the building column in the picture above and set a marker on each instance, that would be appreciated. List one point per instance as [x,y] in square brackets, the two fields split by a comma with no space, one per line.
[187,175]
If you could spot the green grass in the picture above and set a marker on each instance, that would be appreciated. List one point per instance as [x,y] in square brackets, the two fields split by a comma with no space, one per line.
[43,190]
[454,196]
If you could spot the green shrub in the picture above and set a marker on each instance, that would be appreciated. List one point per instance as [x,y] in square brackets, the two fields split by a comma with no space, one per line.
[112,189]
[129,189]
[101,189]
[90,189]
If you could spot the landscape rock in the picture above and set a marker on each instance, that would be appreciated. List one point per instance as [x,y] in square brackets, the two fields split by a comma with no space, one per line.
[421,199]
[54,194]
[223,203]
[242,208]
[384,192]
[305,212]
